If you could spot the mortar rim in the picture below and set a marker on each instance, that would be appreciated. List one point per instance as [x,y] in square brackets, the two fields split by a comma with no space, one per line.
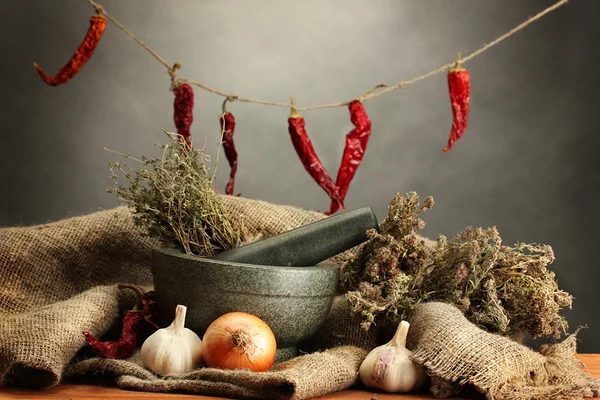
[179,253]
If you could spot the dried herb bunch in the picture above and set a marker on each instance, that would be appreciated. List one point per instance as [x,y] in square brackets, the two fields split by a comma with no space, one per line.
[174,199]
[506,290]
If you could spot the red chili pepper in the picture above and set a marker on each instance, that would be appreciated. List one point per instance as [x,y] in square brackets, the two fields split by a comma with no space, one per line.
[459,84]
[354,150]
[125,346]
[227,122]
[81,56]
[309,158]
[183,114]
[150,310]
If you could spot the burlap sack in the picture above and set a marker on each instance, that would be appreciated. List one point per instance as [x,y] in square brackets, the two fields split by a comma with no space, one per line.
[342,328]
[36,345]
[45,264]
[303,377]
[54,283]
[58,279]
[454,349]
[262,219]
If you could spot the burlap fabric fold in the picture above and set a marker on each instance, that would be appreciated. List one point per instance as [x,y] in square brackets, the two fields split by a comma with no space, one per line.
[342,328]
[303,377]
[58,279]
[455,350]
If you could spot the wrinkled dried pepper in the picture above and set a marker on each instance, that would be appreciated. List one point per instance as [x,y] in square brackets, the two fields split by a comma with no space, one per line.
[150,310]
[309,158]
[125,346]
[183,114]
[459,85]
[354,150]
[81,56]
[227,122]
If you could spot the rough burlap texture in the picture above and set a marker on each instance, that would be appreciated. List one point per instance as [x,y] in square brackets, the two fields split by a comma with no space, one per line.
[454,349]
[58,279]
[342,328]
[303,377]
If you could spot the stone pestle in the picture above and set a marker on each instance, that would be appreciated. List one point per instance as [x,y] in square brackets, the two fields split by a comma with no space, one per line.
[310,244]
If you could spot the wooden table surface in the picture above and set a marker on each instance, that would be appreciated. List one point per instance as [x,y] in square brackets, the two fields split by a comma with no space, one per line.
[91,392]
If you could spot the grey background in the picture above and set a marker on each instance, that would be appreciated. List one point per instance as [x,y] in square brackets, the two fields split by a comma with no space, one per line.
[527,164]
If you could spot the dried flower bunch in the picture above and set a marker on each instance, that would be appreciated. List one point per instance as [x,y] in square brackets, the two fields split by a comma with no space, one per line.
[174,199]
[506,290]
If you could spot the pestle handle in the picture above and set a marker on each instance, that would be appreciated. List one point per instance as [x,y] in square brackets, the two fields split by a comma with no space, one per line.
[309,244]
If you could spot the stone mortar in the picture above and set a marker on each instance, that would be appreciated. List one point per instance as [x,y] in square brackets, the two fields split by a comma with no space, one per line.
[293,301]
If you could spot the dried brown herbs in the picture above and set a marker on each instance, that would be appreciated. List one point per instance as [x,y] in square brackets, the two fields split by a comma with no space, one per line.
[174,198]
[504,289]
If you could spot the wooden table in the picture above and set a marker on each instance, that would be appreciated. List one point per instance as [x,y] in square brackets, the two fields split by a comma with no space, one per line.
[90,392]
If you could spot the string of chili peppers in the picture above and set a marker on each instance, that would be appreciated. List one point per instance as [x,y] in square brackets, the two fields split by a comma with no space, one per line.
[356,140]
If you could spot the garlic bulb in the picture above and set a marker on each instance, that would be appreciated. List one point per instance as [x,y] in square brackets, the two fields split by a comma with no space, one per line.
[173,349]
[389,367]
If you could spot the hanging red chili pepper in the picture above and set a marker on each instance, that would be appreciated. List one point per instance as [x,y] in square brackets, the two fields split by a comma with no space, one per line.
[227,122]
[125,346]
[309,158]
[459,84]
[354,150]
[81,56]
[183,113]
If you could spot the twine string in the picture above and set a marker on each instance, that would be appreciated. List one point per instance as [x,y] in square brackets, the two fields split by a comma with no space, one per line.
[175,81]
[139,41]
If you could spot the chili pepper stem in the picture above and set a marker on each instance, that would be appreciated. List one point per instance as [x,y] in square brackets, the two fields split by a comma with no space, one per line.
[381,85]
[294,113]
[224,108]
[228,98]
[457,65]
[138,294]
[173,74]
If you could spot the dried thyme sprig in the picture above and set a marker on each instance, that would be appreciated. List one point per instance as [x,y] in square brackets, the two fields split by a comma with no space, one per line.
[507,290]
[174,199]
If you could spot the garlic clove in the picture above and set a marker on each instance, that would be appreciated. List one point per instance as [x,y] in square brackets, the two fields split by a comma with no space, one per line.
[174,349]
[389,367]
